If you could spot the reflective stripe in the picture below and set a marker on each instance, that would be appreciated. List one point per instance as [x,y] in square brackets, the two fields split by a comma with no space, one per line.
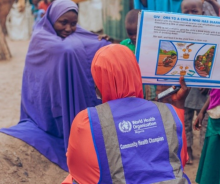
[113,151]
[175,181]
[172,139]
[111,143]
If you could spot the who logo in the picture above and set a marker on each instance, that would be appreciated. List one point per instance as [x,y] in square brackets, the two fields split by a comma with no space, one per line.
[125,126]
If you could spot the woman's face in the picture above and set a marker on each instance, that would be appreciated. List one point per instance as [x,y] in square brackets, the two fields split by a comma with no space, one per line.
[66,24]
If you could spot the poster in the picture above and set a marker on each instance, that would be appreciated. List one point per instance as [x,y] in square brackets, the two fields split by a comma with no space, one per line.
[171,45]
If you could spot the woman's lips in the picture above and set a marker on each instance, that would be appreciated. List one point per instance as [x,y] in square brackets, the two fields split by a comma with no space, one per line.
[64,35]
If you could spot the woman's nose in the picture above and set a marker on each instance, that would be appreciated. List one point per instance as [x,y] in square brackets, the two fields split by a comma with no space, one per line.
[68,28]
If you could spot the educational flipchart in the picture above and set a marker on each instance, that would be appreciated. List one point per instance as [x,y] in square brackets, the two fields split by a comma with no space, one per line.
[171,45]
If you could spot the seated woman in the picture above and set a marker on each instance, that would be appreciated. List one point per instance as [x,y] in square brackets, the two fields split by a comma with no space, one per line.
[57,81]
[126,139]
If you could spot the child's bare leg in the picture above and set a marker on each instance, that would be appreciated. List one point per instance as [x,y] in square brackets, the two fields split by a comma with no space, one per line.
[190,153]
[189,113]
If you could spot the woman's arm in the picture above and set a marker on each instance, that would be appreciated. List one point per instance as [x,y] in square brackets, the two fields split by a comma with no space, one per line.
[189,45]
[81,154]
[178,99]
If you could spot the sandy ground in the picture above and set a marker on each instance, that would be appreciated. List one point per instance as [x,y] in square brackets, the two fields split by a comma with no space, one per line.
[27,165]
[191,170]
[10,83]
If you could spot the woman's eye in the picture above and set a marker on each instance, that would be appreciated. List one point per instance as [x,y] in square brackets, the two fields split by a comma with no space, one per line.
[73,24]
[63,23]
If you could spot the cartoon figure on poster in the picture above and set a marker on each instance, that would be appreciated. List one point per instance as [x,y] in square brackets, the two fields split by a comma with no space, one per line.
[204,62]
[167,58]
[186,59]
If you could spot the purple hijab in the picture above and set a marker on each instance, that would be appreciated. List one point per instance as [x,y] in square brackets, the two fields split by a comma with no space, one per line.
[57,84]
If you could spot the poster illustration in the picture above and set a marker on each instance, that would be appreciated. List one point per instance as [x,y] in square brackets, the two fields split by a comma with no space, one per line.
[171,45]
[185,59]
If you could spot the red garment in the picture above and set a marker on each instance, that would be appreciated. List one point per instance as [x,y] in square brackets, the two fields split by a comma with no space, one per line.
[81,155]
[184,154]
[43,5]
[117,75]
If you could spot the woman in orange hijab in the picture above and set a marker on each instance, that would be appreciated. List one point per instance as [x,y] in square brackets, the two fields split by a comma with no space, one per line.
[98,151]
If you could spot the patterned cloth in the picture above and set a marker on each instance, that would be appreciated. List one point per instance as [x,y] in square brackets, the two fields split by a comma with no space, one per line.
[150,92]
[208,9]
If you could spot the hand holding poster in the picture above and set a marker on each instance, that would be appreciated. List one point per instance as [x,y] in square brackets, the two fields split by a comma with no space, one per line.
[173,45]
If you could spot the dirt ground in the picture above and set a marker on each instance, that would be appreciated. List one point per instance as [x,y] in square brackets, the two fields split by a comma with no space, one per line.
[26,165]
[161,69]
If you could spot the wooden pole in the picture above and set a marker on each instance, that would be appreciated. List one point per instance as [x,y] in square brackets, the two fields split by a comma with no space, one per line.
[4,50]
[5,7]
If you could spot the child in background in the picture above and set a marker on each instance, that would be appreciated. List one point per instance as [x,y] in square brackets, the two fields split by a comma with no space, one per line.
[209,165]
[34,8]
[131,21]
[196,97]
[44,4]
[40,14]
[194,103]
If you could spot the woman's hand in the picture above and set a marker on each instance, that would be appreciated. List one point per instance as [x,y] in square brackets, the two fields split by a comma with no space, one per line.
[178,99]
[105,37]
[198,122]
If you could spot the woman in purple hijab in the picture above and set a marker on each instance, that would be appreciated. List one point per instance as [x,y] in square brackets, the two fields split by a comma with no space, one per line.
[57,81]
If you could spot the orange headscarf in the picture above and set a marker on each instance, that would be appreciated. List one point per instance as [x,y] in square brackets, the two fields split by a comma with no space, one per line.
[116,73]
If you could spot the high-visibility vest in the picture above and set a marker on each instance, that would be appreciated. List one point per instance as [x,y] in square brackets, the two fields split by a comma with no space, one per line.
[137,142]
